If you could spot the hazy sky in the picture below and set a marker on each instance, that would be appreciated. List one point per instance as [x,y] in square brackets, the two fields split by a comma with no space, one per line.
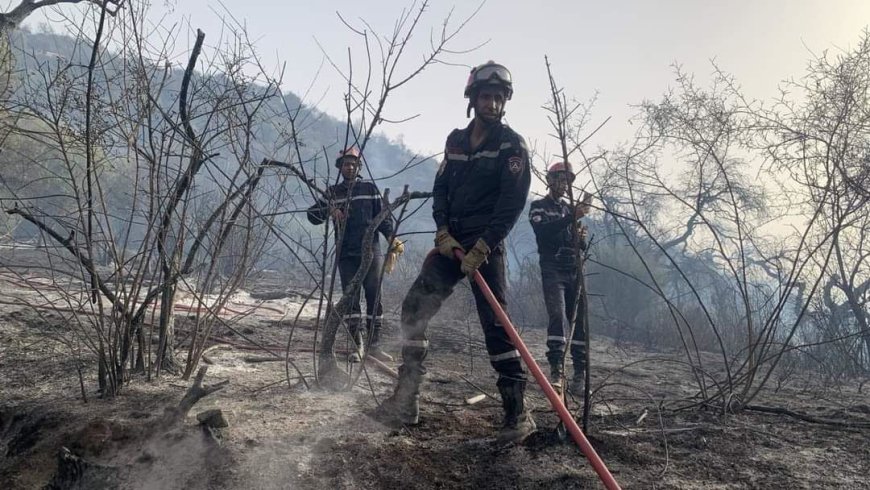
[623,49]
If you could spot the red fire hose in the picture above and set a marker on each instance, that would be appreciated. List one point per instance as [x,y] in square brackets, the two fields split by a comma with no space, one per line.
[555,399]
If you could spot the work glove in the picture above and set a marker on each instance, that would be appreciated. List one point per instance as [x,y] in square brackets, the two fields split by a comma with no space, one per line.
[397,248]
[446,243]
[475,257]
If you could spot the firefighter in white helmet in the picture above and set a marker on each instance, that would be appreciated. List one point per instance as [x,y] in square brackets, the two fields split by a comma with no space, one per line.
[479,193]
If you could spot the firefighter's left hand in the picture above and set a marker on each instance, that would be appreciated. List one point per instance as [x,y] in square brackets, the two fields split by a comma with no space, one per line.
[397,248]
[583,232]
[475,257]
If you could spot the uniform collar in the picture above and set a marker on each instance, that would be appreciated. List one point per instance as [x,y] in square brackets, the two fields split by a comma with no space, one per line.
[348,183]
[494,134]
[560,201]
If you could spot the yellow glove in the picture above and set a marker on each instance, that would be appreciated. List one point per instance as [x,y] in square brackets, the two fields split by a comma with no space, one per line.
[396,249]
[397,246]
[446,243]
[475,257]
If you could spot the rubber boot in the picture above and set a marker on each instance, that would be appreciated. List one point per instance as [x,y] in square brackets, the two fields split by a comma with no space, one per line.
[403,406]
[518,422]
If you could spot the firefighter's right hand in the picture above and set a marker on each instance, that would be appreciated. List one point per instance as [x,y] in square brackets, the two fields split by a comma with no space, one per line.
[337,214]
[475,257]
[446,243]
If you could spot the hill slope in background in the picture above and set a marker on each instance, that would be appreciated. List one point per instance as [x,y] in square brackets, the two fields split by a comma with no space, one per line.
[321,135]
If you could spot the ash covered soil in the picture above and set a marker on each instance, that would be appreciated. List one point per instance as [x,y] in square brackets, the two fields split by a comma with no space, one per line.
[284,435]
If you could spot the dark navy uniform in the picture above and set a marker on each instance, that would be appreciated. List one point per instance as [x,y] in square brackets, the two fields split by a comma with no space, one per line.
[360,202]
[478,193]
[553,221]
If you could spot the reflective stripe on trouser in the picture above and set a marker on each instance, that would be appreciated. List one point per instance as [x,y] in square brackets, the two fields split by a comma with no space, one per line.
[435,283]
[347,267]
[560,291]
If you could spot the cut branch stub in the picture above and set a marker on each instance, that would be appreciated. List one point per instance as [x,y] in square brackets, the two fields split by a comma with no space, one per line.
[195,393]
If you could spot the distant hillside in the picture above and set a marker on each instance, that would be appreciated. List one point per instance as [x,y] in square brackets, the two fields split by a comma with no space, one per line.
[322,135]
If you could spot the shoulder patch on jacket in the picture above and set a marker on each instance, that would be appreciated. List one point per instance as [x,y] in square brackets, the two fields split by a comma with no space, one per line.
[515,164]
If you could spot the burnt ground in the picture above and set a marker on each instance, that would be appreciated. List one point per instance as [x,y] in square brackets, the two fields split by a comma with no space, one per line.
[282,435]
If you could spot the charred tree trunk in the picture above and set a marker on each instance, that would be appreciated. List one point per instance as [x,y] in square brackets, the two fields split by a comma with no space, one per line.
[166,359]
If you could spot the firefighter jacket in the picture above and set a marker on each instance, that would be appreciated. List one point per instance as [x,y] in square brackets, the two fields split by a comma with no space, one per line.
[360,202]
[480,192]
[552,221]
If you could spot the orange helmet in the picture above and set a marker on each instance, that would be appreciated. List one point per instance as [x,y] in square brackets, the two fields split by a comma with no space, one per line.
[560,167]
[351,151]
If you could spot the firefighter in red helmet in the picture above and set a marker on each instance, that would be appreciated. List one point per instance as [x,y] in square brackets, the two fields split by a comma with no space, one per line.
[353,204]
[553,221]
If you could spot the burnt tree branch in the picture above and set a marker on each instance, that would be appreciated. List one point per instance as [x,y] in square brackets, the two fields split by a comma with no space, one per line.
[13,18]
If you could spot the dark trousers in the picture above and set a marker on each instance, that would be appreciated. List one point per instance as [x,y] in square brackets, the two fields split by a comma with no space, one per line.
[347,267]
[435,284]
[560,292]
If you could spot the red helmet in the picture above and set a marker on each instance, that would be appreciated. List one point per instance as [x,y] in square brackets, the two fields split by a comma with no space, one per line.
[489,73]
[351,151]
[560,167]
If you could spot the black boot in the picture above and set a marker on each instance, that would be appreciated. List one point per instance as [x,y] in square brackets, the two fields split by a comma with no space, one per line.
[578,357]
[518,422]
[403,406]
[359,346]
[556,376]
[578,382]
